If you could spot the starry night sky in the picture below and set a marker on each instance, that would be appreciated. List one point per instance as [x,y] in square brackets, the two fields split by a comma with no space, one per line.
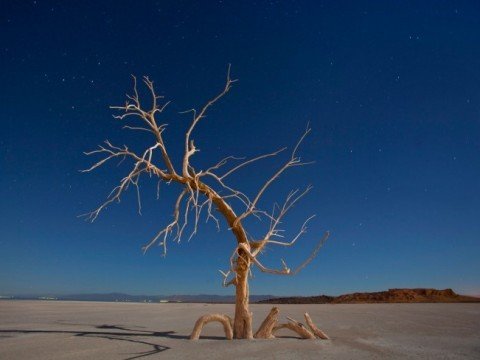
[391,90]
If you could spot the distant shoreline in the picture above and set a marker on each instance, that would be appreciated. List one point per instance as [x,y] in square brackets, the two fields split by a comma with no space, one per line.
[419,295]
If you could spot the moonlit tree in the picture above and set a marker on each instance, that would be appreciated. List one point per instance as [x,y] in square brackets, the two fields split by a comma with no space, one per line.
[208,193]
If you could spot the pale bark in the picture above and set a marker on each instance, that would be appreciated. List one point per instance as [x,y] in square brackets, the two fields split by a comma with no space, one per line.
[225,320]
[242,326]
[318,333]
[296,327]
[269,326]
[265,330]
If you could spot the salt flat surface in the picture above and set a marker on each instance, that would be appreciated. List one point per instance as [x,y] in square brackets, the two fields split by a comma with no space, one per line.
[91,330]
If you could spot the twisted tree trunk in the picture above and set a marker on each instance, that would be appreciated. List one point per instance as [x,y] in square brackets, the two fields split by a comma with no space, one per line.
[242,323]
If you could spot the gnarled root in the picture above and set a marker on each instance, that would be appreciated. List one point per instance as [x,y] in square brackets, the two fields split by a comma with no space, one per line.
[265,330]
[269,326]
[297,327]
[225,320]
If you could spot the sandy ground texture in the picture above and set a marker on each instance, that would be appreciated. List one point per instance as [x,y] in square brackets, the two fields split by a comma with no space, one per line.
[92,330]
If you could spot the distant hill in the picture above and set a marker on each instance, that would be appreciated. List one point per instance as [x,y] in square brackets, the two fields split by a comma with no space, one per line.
[390,296]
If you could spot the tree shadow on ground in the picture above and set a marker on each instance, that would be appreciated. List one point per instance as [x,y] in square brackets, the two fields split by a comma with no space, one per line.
[122,334]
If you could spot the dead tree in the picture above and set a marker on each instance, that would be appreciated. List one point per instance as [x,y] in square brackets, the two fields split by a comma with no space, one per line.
[214,197]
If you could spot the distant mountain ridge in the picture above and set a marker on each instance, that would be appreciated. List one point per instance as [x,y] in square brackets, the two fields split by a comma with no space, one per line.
[420,295]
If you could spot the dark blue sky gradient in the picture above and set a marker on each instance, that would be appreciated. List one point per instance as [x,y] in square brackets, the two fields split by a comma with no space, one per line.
[391,90]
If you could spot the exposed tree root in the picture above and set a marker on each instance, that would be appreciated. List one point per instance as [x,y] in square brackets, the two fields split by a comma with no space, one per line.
[270,326]
[265,330]
[318,333]
[297,327]
[225,320]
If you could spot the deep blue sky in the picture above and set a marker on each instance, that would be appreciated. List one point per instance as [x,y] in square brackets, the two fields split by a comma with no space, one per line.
[390,88]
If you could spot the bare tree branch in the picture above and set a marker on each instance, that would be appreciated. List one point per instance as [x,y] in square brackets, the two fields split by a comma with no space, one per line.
[294,161]
[168,229]
[189,146]
[285,269]
[313,254]
[148,117]
[251,161]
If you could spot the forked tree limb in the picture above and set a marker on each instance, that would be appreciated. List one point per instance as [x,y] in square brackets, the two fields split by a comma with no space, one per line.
[148,117]
[189,146]
[276,219]
[293,161]
[225,320]
[285,270]
[266,328]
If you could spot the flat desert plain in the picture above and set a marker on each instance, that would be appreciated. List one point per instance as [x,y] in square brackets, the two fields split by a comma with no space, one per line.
[92,330]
